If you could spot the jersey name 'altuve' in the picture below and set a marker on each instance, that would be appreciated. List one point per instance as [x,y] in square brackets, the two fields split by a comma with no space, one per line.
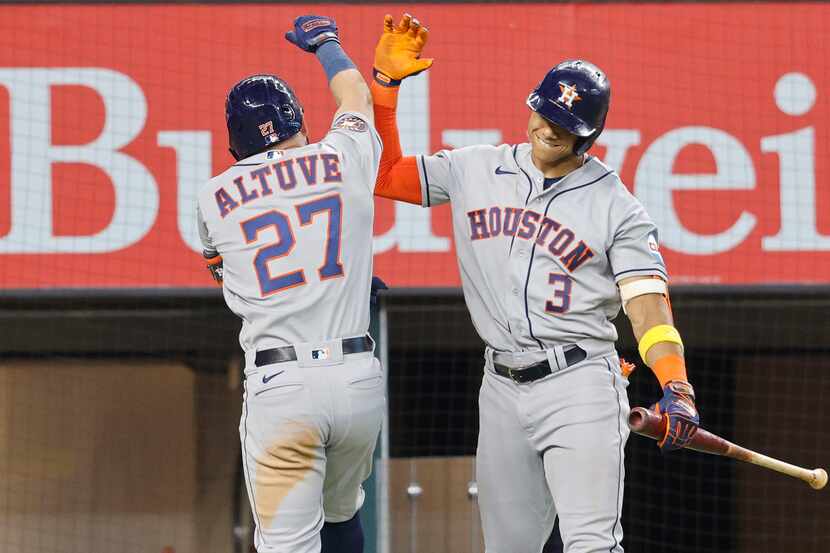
[262,181]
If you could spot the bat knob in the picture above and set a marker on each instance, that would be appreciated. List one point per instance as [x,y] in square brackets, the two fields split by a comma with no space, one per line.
[819,479]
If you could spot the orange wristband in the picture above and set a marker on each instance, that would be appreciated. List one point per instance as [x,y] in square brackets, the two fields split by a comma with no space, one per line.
[386,96]
[668,368]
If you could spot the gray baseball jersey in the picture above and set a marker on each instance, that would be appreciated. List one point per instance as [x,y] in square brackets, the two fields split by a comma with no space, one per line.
[539,267]
[294,228]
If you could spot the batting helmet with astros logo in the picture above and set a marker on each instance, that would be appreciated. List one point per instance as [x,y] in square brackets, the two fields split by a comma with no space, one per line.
[575,96]
[261,111]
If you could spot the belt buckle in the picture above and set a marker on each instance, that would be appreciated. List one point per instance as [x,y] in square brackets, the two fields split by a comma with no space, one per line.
[513,375]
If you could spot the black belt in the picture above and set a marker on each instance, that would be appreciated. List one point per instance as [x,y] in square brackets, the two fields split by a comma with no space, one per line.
[288,353]
[541,369]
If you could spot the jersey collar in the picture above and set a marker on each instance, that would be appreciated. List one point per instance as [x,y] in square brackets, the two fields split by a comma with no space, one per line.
[590,170]
[260,158]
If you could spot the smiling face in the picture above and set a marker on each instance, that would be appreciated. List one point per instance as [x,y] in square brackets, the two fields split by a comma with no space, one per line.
[552,145]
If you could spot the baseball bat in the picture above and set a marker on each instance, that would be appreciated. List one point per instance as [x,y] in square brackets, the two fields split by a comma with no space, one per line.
[649,424]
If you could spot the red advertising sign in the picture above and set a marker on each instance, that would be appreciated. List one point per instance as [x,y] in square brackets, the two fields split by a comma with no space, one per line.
[112,116]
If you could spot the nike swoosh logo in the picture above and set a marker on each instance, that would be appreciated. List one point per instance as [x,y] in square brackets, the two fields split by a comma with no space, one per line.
[267,379]
[500,171]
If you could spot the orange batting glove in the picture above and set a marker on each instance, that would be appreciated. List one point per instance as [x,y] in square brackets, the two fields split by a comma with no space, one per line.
[398,52]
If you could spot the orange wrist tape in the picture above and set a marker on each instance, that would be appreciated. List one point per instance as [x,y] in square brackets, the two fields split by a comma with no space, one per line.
[668,368]
[385,96]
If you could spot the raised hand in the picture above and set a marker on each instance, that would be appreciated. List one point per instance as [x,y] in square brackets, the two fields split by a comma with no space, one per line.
[398,52]
[311,31]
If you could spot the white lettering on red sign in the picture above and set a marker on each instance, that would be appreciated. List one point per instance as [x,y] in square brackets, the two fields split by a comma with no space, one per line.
[33,154]
[125,109]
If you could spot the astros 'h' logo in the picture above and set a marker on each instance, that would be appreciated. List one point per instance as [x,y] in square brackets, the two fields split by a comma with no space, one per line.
[569,95]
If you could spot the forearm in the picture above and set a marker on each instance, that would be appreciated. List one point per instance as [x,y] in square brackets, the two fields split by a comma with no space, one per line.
[651,320]
[398,177]
[648,311]
[384,104]
[346,83]
[351,93]
[665,358]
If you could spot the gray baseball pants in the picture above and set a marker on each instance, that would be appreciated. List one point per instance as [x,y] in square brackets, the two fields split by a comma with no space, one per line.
[553,447]
[308,431]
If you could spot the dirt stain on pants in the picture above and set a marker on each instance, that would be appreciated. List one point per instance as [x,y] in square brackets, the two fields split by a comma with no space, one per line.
[285,463]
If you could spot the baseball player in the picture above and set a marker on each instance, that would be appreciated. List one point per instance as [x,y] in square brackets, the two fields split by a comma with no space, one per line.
[288,231]
[550,246]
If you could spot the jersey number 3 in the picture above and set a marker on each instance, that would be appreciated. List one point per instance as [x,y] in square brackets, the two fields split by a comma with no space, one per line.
[561,301]
[279,222]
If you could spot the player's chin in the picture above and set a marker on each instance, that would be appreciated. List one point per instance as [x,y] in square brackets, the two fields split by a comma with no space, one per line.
[550,154]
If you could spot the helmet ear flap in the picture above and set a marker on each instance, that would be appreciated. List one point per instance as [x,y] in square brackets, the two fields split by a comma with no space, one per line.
[582,145]
[288,111]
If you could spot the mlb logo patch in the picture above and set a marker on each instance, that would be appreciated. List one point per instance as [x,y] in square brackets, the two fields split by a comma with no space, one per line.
[320,354]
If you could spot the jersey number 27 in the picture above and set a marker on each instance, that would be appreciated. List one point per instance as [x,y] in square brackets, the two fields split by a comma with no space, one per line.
[281,224]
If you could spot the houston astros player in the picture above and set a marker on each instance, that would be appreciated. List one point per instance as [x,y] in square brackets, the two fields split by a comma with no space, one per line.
[550,245]
[288,229]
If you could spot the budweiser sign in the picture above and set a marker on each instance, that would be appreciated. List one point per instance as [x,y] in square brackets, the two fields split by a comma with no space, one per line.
[105,136]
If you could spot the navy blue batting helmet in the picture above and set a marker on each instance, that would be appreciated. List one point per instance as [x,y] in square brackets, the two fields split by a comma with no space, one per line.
[575,96]
[261,111]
